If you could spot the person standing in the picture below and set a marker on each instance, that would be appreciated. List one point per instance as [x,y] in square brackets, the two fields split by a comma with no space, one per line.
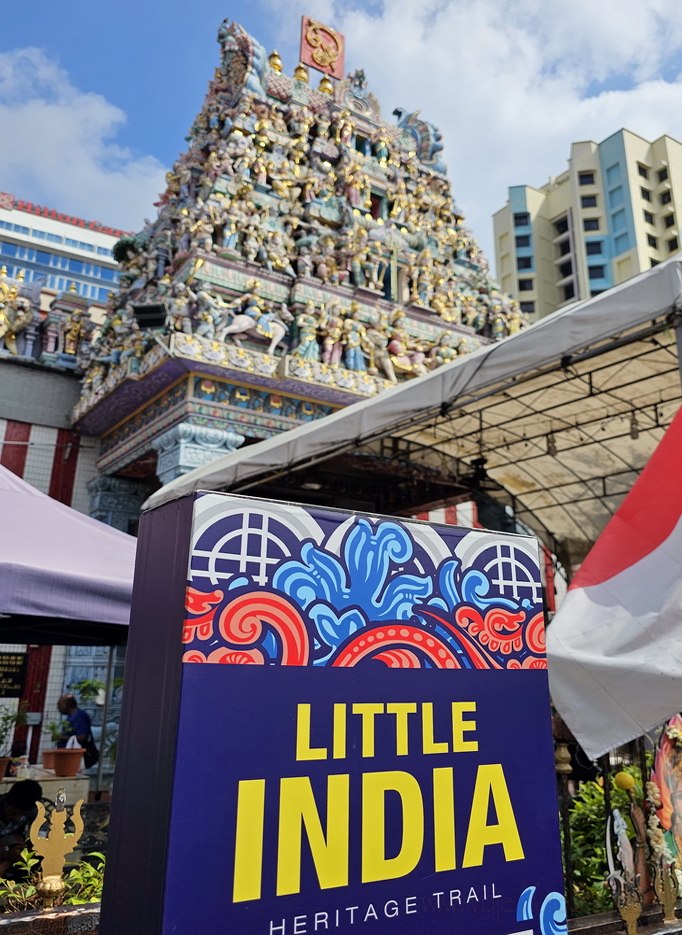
[80,724]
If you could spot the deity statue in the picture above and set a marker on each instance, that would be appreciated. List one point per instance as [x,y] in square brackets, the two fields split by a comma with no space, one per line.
[407,356]
[376,338]
[331,327]
[446,350]
[380,146]
[276,254]
[304,263]
[73,332]
[202,231]
[180,306]
[306,325]
[343,128]
[354,340]
[16,312]
[211,314]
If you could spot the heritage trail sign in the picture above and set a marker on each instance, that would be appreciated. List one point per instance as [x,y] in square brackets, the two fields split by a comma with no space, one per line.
[333,722]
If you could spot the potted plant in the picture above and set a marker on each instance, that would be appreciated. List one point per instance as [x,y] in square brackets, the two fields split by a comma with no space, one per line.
[57,730]
[9,719]
[67,760]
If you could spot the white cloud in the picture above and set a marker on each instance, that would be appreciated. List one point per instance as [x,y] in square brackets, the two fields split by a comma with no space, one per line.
[57,146]
[512,83]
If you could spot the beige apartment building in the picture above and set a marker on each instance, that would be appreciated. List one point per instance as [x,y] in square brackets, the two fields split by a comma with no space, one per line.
[612,214]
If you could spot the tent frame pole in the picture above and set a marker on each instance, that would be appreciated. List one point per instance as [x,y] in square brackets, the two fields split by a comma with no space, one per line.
[105,718]
[677,325]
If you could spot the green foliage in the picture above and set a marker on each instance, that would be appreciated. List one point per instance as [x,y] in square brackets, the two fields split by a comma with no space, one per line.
[58,729]
[588,842]
[9,719]
[88,689]
[83,883]
[21,896]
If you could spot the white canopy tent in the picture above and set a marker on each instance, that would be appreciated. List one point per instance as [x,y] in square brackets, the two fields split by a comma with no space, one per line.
[64,577]
[555,422]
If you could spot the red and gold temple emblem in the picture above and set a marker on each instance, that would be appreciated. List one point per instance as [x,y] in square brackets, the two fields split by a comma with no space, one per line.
[322,47]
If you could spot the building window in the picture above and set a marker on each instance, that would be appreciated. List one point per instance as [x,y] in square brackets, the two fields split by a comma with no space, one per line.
[525,285]
[648,217]
[522,219]
[566,269]
[645,193]
[588,201]
[643,170]
[662,175]
[666,198]
[673,245]
[561,226]
[594,248]
[528,308]
[585,178]
[590,224]
[652,241]
[594,292]
[653,262]
[378,205]
[523,240]
[524,262]
[564,247]
[362,145]
[596,272]
[569,291]
[669,220]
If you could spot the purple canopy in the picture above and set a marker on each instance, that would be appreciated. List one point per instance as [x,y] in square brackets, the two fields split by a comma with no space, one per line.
[64,577]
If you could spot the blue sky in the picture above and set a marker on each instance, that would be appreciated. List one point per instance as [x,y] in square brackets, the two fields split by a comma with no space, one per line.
[95,99]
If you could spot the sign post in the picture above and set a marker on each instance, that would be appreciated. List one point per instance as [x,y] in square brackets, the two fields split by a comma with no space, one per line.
[333,721]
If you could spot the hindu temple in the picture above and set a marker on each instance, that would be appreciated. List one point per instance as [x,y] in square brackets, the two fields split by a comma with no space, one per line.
[307,253]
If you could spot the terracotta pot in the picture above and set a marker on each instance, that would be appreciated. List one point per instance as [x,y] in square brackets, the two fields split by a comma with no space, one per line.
[67,762]
[48,759]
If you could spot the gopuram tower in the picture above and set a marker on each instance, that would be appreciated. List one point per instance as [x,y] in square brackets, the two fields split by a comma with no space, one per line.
[307,254]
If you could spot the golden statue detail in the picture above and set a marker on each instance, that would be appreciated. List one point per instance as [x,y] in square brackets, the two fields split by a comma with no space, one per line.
[15,310]
[54,848]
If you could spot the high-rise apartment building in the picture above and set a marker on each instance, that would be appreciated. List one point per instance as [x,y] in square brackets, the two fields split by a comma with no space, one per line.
[57,250]
[613,213]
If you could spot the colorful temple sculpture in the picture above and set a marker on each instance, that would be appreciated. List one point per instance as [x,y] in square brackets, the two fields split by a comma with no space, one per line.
[306,254]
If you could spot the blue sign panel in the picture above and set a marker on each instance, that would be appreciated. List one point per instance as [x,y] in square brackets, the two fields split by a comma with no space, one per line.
[363,731]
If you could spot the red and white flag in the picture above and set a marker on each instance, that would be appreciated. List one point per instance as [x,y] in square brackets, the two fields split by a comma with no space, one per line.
[614,649]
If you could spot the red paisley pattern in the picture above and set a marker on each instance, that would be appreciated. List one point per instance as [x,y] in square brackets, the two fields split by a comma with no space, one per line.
[366,643]
[245,620]
[479,657]
[242,622]
[225,655]
[399,659]
[530,662]
[202,608]
[499,630]
[535,635]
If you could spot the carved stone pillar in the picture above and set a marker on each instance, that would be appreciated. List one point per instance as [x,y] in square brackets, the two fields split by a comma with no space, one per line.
[117,501]
[187,446]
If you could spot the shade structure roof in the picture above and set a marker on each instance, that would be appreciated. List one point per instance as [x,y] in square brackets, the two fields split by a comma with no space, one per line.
[64,577]
[553,423]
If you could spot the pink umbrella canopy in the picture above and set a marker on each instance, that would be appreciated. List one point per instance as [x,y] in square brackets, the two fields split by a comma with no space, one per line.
[64,577]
